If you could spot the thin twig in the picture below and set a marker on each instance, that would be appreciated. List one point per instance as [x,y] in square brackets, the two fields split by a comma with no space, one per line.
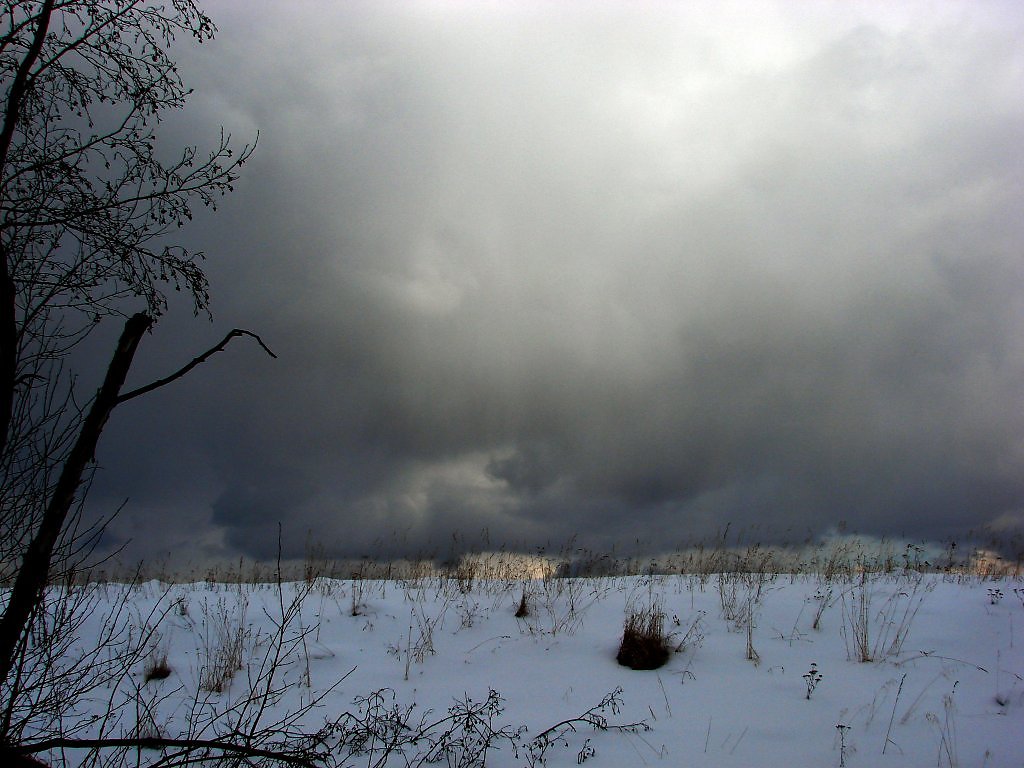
[930,655]
[892,717]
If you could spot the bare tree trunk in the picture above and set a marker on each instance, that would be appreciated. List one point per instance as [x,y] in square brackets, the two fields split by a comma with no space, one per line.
[8,321]
[35,567]
[12,111]
[8,348]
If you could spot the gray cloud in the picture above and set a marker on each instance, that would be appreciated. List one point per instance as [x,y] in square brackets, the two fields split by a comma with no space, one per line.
[620,273]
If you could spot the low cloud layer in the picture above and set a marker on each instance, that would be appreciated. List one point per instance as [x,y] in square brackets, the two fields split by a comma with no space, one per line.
[619,273]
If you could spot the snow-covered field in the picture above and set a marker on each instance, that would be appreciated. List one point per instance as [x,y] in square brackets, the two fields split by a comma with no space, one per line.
[944,686]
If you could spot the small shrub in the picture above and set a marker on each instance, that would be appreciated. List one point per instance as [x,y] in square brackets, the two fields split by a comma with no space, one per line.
[596,717]
[469,613]
[644,642]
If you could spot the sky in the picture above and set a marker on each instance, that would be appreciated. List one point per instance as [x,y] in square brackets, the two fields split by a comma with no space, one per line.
[614,275]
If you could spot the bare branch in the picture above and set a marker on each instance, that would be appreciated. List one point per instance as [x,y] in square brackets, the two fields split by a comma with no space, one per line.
[196,361]
[294,757]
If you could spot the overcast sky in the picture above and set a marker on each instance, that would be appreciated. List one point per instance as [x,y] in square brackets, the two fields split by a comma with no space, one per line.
[620,272]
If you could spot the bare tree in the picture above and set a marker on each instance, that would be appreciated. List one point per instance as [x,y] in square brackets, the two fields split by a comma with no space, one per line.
[88,201]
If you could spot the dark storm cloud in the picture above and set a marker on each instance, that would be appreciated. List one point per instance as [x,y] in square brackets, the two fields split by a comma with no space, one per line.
[617,273]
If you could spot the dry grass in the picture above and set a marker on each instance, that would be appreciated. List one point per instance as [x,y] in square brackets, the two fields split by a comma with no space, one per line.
[156,666]
[223,652]
[644,645]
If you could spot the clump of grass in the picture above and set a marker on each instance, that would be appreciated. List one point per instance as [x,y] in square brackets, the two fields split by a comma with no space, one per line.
[223,651]
[156,666]
[644,645]
[523,609]
[871,635]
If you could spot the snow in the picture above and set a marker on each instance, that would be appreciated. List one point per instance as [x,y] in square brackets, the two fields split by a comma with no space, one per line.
[945,686]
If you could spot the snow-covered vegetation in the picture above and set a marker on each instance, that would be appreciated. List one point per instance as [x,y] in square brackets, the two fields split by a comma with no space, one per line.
[510,661]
